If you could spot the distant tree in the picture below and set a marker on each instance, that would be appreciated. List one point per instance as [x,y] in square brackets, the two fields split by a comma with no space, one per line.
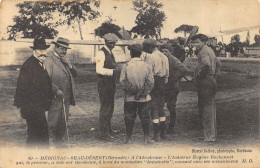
[35,19]
[184,28]
[257,41]
[149,19]
[107,27]
[79,11]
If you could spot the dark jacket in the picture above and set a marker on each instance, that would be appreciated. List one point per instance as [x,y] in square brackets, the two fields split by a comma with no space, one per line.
[34,90]
[176,71]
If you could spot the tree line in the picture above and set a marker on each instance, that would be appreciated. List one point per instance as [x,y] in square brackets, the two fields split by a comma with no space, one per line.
[42,18]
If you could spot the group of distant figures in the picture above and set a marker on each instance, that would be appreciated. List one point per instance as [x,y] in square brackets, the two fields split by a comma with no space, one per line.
[233,49]
[149,80]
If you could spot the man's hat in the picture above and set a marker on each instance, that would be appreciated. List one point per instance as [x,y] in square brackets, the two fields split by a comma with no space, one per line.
[202,37]
[39,44]
[135,47]
[62,42]
[110,37]
[150,42]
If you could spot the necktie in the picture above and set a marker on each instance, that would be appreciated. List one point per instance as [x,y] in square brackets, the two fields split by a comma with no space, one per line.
[41,63]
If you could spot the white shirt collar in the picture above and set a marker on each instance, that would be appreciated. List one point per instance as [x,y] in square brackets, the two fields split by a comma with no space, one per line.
[107,49]
[136,59]
[38,58]
[56,54]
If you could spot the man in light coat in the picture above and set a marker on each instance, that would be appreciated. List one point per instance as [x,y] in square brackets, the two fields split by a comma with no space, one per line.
[62,74]
[159,65]
[137,81]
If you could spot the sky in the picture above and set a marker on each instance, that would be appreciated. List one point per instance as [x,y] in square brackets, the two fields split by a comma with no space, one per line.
[209,15]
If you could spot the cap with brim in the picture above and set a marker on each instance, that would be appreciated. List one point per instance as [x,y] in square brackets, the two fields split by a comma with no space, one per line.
[135,47]
[62,42]
[150,42]
[110,37]
[202,37]
[39,44]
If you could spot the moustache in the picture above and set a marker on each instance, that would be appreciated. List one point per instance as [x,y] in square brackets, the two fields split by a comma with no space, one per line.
[42,55]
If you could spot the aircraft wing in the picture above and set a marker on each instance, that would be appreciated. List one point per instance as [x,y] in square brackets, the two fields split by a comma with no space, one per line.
[232,31]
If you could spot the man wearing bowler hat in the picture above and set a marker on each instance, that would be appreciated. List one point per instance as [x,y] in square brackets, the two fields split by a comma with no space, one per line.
[107,70]
[33,95]
[62,74]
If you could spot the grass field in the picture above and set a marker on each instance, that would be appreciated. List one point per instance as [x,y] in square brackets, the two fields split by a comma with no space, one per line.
[237,112]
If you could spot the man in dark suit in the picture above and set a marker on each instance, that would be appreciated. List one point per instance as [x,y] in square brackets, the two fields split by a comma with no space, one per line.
[33,95]
[62,74]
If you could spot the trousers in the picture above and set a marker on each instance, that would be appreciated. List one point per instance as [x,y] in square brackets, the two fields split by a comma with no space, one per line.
[56,119]
[106,91]
[207,106]
[158,98]
[37,130]
[171,99]
[131,110]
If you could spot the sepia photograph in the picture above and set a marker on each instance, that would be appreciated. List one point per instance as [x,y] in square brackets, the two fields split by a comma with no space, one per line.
[129,83]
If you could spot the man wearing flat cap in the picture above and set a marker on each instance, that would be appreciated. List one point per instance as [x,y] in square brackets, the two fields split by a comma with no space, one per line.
[107,70]
[176,71]
[33,95]
[160,68]
[205,79]
[137,81]
[62,74]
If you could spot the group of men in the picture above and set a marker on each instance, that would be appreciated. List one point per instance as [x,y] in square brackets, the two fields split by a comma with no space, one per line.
[150,79]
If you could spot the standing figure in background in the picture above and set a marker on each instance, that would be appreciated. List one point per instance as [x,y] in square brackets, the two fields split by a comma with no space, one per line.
[107,70]
[33,95]
[233,48]
[159,64]
[205,79]
[176,71]
[179,51]
[62,74]
[137,81]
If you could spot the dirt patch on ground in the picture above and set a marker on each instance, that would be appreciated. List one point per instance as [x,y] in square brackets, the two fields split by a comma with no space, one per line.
[237,112]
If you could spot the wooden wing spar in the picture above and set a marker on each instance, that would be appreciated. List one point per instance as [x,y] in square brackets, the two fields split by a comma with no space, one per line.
[90,42]
[126,41]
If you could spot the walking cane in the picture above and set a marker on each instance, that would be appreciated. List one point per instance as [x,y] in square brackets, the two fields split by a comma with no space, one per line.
[65,117]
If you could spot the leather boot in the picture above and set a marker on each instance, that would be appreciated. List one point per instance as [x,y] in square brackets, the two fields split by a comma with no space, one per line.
[129,128]
[156,132]
[162,128]
[128,140]
[146,129]
[147,140]
[170,129]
